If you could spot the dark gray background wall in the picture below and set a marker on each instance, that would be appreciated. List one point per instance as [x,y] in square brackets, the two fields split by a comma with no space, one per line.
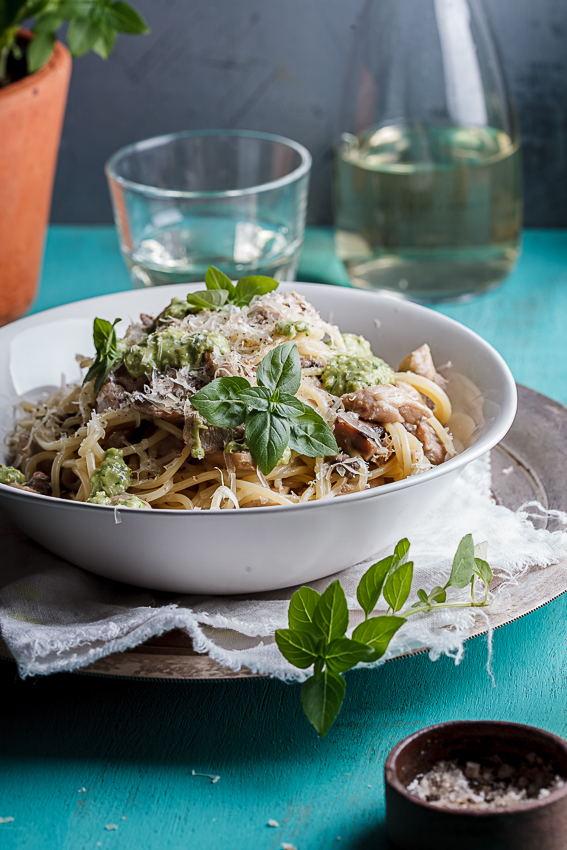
[278,66]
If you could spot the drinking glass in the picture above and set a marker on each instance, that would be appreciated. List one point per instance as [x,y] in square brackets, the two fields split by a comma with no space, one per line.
[427,170]
[229,198]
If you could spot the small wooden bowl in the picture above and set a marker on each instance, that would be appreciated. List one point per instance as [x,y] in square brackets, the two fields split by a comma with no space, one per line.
[413,824]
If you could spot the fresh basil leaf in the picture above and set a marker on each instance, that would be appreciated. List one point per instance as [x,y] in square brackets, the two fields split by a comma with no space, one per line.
[48,23]
[481,550]
[215,279]
[219,402]
[281,369]
[422,596]
[398,585]
[207,299]
[342,654]
[310,435]
[267,436]
[371,584]
[107,354]
[105,41]
[81,36]
[287,405]
[483,570]
[39,50]
[377,632]
[248,287]
[401,551]
[123,18]
[302,607]
[463,563]
[438,594]
[298,647]
[322,698]
[331,613]
[258,398]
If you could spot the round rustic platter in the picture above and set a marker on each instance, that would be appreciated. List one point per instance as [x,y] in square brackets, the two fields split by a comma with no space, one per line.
[523,469]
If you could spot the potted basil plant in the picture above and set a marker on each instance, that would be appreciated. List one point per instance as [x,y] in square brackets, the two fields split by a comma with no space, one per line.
[35,69]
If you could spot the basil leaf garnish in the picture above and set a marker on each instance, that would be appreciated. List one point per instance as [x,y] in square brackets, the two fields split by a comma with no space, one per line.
[107,354]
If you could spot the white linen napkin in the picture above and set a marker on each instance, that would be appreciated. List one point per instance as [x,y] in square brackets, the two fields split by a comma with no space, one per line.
[54,616]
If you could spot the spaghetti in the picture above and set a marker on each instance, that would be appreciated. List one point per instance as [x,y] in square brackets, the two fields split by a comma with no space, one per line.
[173,459]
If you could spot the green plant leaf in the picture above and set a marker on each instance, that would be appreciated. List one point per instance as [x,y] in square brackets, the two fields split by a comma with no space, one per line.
[299,648]
[302,607]
[331,613]
[401,551]
[287,405]
[322,698]
[12,12]
[107,354]
[438,594]
[219,402]
[105,41]
[123,18]
[377,632]
[248,287]
[343,653]
[371,584]
[258,398]
[281,369]
[207,299]
[398,585]
[310,435]
[483,570]
[422,596]
[267,436]
[215,279]
[81,36]
[48,23]
[39,51]
[463,563]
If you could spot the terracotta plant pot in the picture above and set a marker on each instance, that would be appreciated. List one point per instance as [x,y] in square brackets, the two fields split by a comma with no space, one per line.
[31,118]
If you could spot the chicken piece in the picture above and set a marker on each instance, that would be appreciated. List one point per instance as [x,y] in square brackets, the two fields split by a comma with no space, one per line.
[212,439]
[386,403]
[359,437]
[433,448]
[172,414]
[123,377]
[112,396]
[236,461]
[120,438]
[420,361]
[39,483]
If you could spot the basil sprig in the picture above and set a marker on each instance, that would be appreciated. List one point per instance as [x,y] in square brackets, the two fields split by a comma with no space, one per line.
[274,418]
[316,636]
[107,353]
[221,291]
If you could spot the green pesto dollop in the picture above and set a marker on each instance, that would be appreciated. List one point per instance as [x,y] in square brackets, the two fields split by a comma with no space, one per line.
[177,309]
[357,346]
[128,500]
[346,374]
[172,347]
[291,329]
[11,475]
[112,477]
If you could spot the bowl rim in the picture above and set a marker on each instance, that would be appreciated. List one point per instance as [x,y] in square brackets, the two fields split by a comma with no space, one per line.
[391,777]
[294,176]
[487,441]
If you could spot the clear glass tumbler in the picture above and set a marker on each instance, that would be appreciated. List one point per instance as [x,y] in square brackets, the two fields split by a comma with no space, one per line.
[427,171]
[230,198]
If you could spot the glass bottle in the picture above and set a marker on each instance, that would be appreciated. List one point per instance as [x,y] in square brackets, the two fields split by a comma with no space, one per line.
[427,171]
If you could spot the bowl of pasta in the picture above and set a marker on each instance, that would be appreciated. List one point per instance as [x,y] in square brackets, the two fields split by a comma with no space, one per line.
[235,438]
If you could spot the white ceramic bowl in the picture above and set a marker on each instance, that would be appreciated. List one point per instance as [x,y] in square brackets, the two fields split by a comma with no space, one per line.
[258,549]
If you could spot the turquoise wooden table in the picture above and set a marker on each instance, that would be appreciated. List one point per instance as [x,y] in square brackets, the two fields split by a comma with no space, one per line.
[79,753]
